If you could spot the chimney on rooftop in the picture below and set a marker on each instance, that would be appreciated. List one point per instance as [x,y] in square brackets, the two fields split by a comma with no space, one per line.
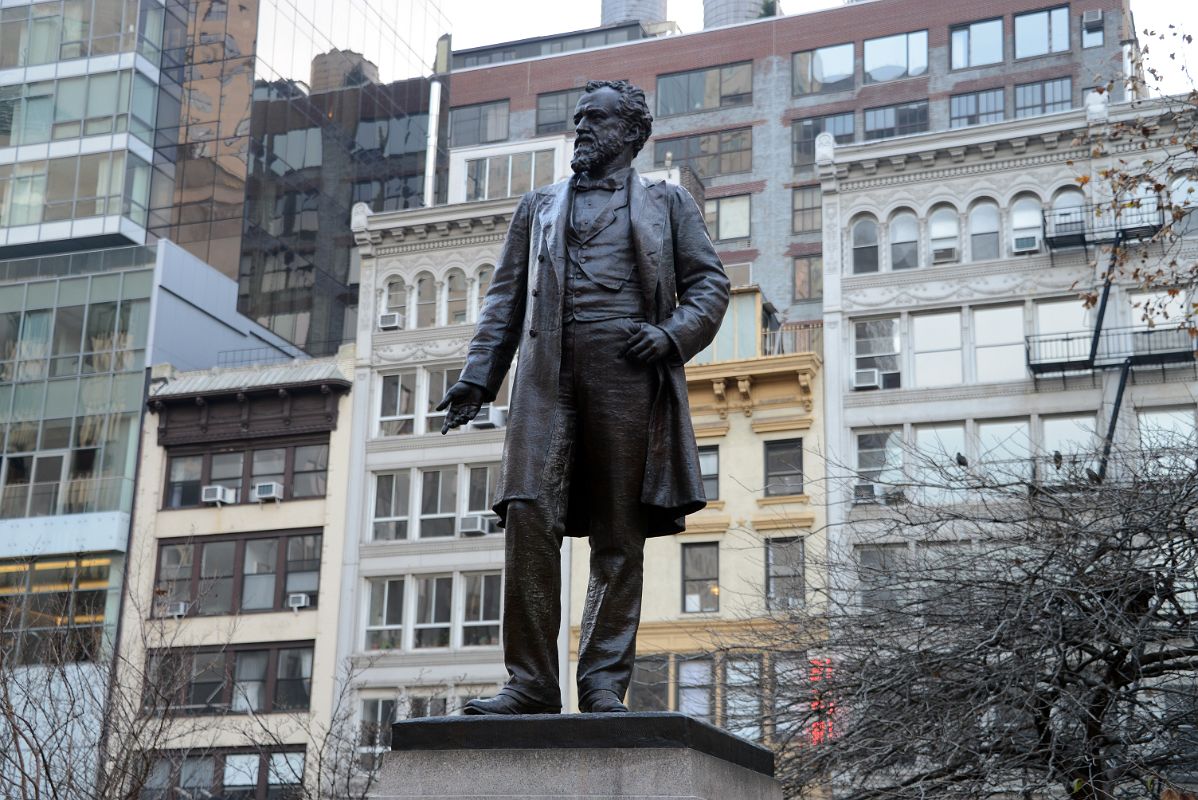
[644,11]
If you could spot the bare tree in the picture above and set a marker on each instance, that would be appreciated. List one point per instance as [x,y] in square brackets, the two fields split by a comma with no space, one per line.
[1017,630]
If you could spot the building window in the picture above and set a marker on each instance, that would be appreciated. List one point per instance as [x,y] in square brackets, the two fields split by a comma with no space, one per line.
[1042,32]
[1092,31]
[977,44]
[377,717]
[263,678]
[878,567]
[975,108]
[52,610]
[245,776]
[892,57]
[937,349]
[983,231]
[784,467]
[439,381]
[555,111]
[1005,445]
[702,89]
[806,206]
[709,154]
[1043,97]
[701,577]
[384,621]
[742,696]
[1069,435]
[235,575]
[784,586]
[650,686]
[434,603]
[478,124]
[944,230]
[879,457]
[709,469]
[480,618]
[804,131]
[904,241]
[426,301]
[695,688]
[1027,222]
[809,277]
[455,297]
[826,69]
[876,347]
[998,344]
[438,502]
[728,217]
[508,175]
[391,505]
[397,408]
[900,120]
[300,470]
[865,246]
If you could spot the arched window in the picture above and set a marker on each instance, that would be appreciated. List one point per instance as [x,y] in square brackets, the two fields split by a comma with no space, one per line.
[485,273]
[983,230]
[426,301]
[865,246]
[1068,212]
[1140,209]
[1183,195]
[945,232]
[455,285]
[397,299]
[1026,224]
[904,241]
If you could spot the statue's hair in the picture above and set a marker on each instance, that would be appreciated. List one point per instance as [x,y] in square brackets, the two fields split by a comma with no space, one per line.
[634,110]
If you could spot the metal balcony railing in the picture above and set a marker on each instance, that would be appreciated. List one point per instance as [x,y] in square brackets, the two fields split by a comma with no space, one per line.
[1101,224]
[805,337]
[1065,352]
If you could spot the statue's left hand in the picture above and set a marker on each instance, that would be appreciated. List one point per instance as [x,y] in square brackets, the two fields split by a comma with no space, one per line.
[648,345]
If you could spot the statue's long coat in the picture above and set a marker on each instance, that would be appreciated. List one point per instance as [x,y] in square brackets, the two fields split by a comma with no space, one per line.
[685,293]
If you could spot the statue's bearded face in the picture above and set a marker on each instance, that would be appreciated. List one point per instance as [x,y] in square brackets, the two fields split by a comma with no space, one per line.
[601,132]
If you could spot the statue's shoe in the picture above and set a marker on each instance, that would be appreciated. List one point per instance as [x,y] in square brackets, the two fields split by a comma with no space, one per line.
[506,704]
[602,701]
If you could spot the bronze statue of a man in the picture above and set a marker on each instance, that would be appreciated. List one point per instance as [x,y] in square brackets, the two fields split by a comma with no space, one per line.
[608,283]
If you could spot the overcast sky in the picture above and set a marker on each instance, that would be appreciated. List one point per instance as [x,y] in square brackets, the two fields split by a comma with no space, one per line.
[479,22]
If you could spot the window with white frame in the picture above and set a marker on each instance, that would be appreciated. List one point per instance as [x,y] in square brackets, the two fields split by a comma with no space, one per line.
[438,502]
[508,175]
[998,344]
[975,108]
[1065,439]
[878,565]
[1043,97]
[384,620]
[1167,438]
[397,299]
[784,586]
[696,686]
[434,606]
[377,715]
[439,381]
[904,241]
[701,577]
[936,343]
[1026,224]
[944,230]
[397,406]
[482,481]
[727,217]
[1068,215]
[825,69]
[1061,331]
[742,696]
[455,297]
[481,615]
[977,44]
[938,448]
[879,457]
[865,245]
[391,504]
[426,301]
[1041,32]
[876,349]
[1004,448]
[983,230]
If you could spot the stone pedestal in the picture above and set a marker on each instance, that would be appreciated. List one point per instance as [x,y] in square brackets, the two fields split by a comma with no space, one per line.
[542,756]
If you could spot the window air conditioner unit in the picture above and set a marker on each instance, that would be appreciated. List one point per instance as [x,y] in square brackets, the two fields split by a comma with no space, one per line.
[178,609]
[389,321]
[864,493]
[218,495]
[867,379]
[268,491]
[298,600]
[1026,244]
[944,255]
[474,525]
[488,417]
[1092,20]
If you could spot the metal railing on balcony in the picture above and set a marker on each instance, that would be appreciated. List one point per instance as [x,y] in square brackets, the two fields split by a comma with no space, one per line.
[800,337]
[1102,224]
[1066,352]
[74,496]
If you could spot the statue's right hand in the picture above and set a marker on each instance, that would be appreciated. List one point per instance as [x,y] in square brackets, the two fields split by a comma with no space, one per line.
[463,401]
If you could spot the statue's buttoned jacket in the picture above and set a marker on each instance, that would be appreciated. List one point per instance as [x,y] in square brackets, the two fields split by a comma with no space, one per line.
[684,291]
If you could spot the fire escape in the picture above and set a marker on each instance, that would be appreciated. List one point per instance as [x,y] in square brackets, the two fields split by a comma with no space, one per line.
[1112,230]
